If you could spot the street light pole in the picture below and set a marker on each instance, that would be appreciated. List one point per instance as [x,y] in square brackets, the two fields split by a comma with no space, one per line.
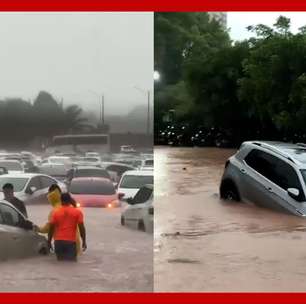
[148,93]
[148,117]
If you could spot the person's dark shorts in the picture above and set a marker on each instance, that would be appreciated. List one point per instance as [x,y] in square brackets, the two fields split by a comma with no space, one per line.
[65,250]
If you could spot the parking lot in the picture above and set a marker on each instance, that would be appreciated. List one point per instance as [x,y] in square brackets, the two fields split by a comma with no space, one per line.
[204,244]
[117,259]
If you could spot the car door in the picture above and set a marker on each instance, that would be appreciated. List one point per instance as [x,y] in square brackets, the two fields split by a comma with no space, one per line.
[136,211]
[255,179]
[285,177]
[35,197]
[19,242]
[4,240]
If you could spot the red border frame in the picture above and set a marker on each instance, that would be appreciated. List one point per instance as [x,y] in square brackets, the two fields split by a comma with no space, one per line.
[152,298]
[152,5]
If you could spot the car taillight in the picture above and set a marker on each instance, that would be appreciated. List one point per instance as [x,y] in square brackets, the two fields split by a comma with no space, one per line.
[151,211]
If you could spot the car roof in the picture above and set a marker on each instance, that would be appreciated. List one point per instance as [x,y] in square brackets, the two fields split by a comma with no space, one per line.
[11,205]
[104,164]
[295,153]
[89,167]
[139,172]
[25,175]
[93,179]
[10,160]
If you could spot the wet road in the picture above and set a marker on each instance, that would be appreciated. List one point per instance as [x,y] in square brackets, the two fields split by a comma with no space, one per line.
[204,244]
[117,259]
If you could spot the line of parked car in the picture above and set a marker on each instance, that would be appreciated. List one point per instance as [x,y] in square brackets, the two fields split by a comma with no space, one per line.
[126,181]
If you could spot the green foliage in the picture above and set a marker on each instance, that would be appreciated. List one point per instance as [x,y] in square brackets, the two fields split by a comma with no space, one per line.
[259,83]
[22,121]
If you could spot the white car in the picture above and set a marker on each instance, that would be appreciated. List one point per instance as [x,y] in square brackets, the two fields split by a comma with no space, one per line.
[31,188]
[88,161]
[127,149]
[12,166]
[116,169]
[92,154]
[139,213]
[132,181]
[56,166]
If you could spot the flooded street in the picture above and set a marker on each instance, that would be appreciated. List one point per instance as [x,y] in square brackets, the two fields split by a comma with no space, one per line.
[117,259]
[204,244]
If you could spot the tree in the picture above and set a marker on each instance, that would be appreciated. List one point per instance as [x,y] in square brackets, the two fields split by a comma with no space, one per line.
[273,86]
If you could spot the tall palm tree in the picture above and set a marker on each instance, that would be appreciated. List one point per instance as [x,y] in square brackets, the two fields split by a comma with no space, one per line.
[74,121]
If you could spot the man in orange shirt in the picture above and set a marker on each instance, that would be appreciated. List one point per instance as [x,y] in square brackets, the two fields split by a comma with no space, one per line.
[63,229]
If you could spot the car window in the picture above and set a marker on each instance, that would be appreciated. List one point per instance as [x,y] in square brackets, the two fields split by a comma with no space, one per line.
[118,169]
[91,173]
[92,187]
[46,182]
[142,195]
[135,181]
[11,165]
[275,169]
[149,162]
[18,182]
[10,216]
[35,182]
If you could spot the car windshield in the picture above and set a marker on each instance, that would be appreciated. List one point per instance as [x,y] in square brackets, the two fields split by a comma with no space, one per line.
[92,187]
[304,175]
[18,182]
[149,162]
[135,181]
[91,173]
[59,160]
[90,159]
[15,166]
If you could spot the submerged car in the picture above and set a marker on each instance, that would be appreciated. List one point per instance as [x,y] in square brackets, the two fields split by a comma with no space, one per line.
[269,174]
[132,181]
[86,171]
[12,166]
[94,192]
[31,188]
[139,213]
[17,238]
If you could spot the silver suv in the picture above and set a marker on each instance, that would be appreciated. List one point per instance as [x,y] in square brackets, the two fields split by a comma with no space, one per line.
[269,174]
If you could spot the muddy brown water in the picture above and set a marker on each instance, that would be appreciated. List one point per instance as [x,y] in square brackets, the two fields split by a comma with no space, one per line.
[205,244]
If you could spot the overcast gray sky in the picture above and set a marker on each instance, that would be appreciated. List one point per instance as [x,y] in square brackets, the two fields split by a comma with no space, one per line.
[238,21]
[68,54]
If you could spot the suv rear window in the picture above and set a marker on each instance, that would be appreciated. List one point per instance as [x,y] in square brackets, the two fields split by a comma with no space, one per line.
[274,169]
[92,187]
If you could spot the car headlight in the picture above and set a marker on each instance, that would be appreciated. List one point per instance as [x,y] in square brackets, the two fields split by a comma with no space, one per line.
[114,203]
[78,205]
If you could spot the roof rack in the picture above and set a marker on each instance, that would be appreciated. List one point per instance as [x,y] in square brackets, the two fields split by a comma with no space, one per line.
[275,150]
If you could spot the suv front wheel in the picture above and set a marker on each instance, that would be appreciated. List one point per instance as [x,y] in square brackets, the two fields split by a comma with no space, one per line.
[228,191]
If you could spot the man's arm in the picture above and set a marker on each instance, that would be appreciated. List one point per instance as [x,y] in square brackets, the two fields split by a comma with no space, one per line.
[50,235]
[83,235]
[22,207]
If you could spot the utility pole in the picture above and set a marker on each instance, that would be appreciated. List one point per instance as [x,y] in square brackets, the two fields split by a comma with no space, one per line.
[102,109]
[148,117]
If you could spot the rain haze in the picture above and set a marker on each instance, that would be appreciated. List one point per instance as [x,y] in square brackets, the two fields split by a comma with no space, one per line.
[238,21]
[76,56]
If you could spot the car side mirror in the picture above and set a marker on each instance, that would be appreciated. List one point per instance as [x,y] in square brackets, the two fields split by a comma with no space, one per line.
[120,196]
[130,201]
[27,225]
[31,190]
[294,193]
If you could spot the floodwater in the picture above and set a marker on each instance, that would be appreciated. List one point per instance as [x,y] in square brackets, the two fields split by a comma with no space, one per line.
[117,259]
[204,244]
